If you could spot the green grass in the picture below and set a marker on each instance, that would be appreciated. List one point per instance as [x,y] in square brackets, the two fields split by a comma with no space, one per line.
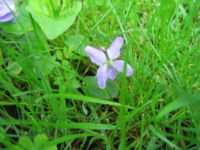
[157,108]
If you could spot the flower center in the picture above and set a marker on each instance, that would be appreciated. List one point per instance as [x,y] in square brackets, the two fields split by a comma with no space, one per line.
[109,62]
[12,7]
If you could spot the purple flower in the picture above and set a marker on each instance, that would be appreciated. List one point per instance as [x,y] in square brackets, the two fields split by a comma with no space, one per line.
[7,7]
[108,66]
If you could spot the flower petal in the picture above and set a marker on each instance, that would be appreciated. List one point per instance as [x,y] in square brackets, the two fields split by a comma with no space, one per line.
[3,10]
[119,66]
[8,4]
[96,56]
[114,49]
[7,17]
[112,73]
[6,8]
[102,76]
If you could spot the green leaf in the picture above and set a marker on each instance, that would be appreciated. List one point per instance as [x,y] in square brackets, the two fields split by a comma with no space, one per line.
[47,63]
[195,111]
[68,53]
[186,99]
[163,138]
[38,144]
[25,142]
[1,57]
[22,24]
[152,144]
[51,25]
[14,68]
[16,147]
[92,89]
[72,137]
[78,43]
[2,133]
[85,99]
[59,55]
[40,140]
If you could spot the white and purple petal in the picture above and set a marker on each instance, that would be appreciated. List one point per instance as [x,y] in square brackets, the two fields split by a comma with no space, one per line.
[112,72]
[6,1]
[96,56]
[114,49]
[119,66]
[6,10]
[7,17]
[3,10]
[102,76]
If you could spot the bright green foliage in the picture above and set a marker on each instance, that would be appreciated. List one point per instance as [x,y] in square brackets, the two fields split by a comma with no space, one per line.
[53,17]
[39,143]
[186,99]
[49,86]
[2,134]
[1,57]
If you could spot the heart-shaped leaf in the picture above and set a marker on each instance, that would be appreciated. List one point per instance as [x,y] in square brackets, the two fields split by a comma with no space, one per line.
[78,43]
[51,25]
[92,89]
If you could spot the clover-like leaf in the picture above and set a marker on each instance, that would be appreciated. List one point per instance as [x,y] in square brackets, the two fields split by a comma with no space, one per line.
[25,143]
[40,140]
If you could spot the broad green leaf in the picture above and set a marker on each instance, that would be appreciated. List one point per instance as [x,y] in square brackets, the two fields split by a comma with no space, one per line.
[25,142]
[92,89]
[38,144]
[46,7]
[47,63]
[16,147]
[51,24]
[77,43]
[14,68]
[40,140]
[22,24]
